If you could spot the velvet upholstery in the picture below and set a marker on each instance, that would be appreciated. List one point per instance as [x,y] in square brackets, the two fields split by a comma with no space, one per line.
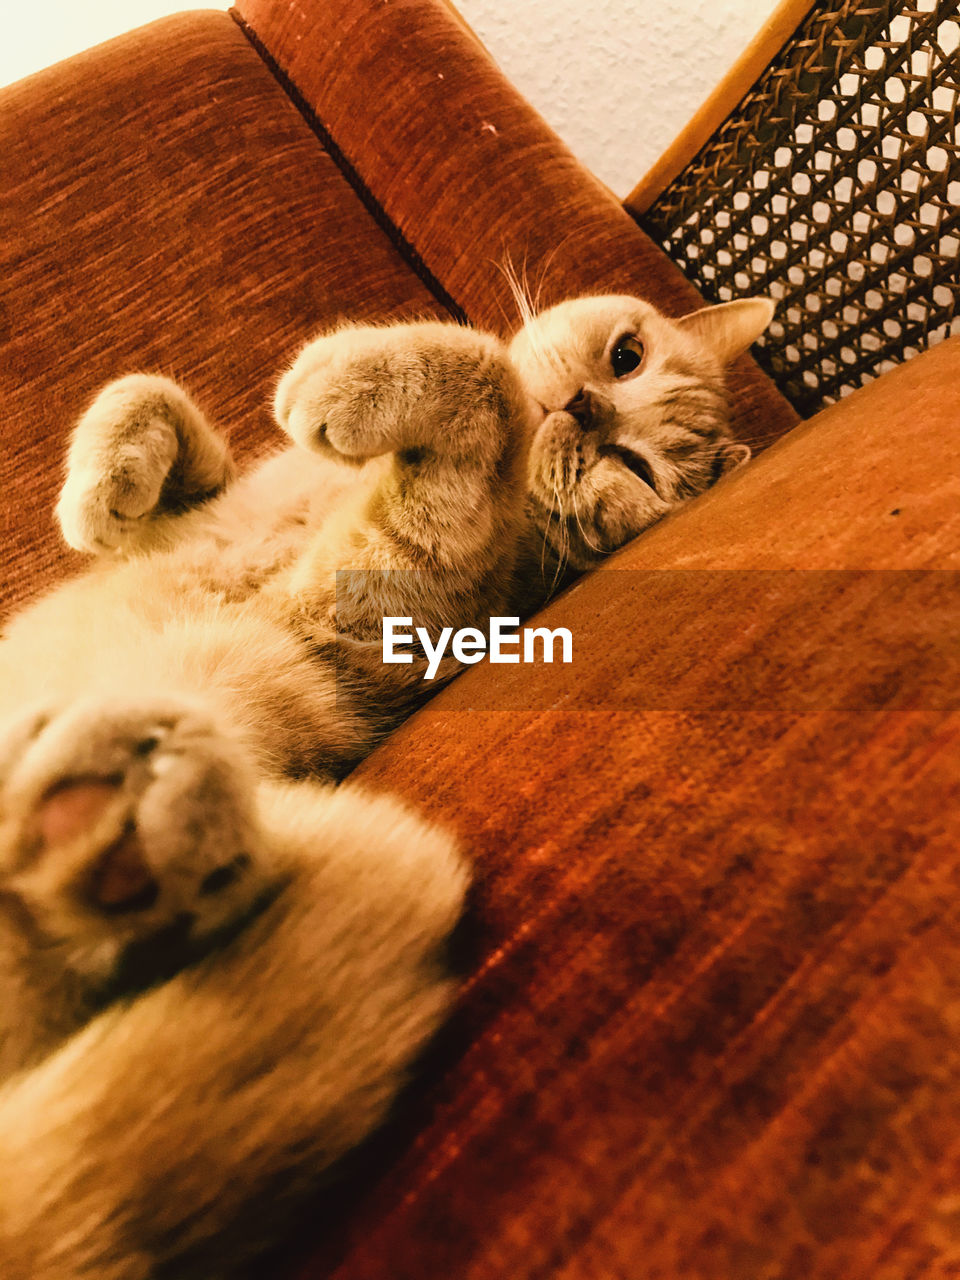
[709,1025]
[164,208]
[712,1031]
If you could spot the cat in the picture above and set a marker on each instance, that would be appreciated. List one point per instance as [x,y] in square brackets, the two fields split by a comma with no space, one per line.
[216,967]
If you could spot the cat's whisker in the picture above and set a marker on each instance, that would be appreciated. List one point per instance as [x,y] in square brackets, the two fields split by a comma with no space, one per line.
[546,531]
[545,267]
[563,555]
[506,269]
[755,442]
[518,287]
[507,320]
[528,297]
[543,547]
[583,533]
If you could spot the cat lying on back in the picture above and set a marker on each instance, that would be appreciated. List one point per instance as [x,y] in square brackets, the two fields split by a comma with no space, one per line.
[215,969]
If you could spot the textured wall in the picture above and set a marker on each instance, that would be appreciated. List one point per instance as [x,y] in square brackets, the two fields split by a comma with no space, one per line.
[40,32]
[617,79]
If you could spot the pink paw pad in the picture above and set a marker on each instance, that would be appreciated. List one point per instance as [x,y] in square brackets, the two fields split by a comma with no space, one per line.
[121,879]
[73,807]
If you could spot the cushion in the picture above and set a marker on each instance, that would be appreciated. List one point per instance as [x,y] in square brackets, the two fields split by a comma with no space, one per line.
[711,1026]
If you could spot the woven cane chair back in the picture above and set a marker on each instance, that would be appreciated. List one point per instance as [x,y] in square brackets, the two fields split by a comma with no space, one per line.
[835,189]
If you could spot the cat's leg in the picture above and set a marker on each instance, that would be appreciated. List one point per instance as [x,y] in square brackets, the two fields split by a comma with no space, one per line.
[141,454]
[176,1133]
[446,402]
[128,842]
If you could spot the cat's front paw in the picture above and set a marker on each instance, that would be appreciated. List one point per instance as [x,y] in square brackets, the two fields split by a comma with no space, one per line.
[123,824]
[141,448]
[363,392]
[339,386]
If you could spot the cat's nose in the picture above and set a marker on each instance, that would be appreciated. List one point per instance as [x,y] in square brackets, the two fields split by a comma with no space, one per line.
[581,407]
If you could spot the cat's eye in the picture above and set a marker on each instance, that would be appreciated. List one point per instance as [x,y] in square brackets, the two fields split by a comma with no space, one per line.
[626,356]
[634,462]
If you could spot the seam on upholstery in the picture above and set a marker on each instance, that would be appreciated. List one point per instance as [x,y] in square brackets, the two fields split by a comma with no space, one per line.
[396,237]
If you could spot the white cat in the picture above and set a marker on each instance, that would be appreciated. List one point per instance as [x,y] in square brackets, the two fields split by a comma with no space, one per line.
[216,968]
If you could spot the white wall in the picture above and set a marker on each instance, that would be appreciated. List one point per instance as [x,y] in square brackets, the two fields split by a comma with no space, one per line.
[617,79]
[37,33]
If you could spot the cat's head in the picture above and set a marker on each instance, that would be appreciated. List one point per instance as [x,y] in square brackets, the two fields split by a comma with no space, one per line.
[635,416]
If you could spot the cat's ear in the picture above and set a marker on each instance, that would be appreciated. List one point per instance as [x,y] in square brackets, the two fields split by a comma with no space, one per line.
[731,327]
[730,455]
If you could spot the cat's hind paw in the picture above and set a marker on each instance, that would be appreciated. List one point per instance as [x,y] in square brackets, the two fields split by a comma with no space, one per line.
[124,823]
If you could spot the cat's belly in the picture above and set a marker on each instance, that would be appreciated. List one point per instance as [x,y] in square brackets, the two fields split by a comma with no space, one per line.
[210,617]
[257,530]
